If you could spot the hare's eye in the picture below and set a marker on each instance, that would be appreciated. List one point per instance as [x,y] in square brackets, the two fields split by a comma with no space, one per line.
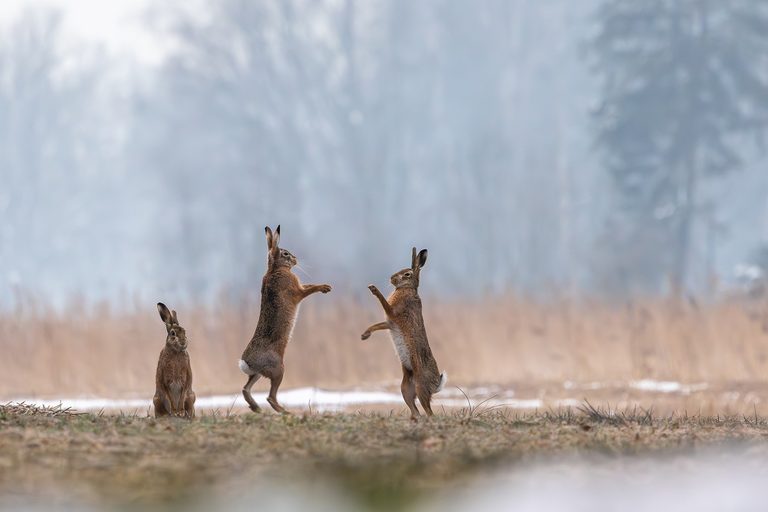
[285,254]
[407,274]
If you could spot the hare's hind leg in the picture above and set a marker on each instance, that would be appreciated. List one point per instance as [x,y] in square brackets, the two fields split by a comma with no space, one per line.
[424,398]
[247,392]
[189,405]
[408,389]
[272,398]
[276,378]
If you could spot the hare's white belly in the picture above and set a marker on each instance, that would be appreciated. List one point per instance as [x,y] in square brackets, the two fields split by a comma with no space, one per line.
[401,349]
[293,321]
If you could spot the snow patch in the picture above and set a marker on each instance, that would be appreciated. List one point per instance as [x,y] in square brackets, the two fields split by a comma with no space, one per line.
[301,398]
[649,385]
[666,386]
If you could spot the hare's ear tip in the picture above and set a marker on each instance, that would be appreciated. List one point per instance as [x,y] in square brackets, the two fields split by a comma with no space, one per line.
[163,310]
[422,258]
[266,229]
[278,229]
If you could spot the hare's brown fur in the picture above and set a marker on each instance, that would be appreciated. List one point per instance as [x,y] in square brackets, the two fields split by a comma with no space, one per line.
[421,377]
[173,381]
[281,293]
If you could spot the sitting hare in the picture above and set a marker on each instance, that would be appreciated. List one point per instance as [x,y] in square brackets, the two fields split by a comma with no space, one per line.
[406,326]
[173,382]
[281,293]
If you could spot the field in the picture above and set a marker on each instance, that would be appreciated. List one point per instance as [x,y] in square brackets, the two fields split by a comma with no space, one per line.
[615,398]
[101,351]
[364,461]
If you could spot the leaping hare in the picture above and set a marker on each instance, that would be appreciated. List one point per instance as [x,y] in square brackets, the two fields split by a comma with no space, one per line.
[173,381]
[281,293]
[421,376]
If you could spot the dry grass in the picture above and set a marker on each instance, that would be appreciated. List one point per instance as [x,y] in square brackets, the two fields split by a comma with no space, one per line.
[99,351]
[383,461]
[20,409]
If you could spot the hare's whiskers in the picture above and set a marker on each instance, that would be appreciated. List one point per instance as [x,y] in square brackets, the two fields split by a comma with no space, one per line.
[303,271]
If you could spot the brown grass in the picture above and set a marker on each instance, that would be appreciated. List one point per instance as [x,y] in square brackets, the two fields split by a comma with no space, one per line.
[384,462]
[100,351]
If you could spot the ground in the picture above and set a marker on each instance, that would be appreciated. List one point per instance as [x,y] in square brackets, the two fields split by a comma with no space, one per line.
[384,461]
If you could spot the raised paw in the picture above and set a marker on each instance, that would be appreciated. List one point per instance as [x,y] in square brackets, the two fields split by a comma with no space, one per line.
[325,288]
[373,289]
[365,335]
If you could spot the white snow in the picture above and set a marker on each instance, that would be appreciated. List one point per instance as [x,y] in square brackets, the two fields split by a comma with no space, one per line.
[303,398]
[708,481]
[324,400]
[590,385]
[649,385]
[665,386]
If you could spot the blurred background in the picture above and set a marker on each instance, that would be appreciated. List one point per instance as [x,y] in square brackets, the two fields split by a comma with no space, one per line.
[589,177]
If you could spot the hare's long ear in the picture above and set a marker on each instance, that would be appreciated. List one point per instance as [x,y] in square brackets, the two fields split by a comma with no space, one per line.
[276,240]
[413,259]
[421,259]
[174,317]
[270,238]
[165,314]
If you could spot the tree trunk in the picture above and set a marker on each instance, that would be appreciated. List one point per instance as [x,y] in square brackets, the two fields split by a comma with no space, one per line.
[682,241]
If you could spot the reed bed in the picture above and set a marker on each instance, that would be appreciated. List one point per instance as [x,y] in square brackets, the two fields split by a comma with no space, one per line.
[99,350]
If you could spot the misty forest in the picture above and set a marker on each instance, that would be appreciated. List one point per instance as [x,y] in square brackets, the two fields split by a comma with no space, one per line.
[551,148]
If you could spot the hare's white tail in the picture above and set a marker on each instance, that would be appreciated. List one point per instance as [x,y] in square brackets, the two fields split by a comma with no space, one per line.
[443,380]
[245,368]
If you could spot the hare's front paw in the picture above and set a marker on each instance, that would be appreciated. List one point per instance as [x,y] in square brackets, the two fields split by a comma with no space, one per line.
[365,335]
[373,289]
[325,288]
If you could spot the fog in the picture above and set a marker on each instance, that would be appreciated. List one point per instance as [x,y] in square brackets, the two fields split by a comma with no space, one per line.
[594,148]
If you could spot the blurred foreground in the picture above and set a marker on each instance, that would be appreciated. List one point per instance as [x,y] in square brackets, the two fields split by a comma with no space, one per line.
[591,459]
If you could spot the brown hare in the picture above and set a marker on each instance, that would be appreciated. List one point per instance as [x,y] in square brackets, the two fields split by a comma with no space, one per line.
[421,377]
[173,382]
[281,294]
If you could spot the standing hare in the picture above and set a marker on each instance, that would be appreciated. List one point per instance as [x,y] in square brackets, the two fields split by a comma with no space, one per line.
[281,293]
[406,326]
[173,382]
